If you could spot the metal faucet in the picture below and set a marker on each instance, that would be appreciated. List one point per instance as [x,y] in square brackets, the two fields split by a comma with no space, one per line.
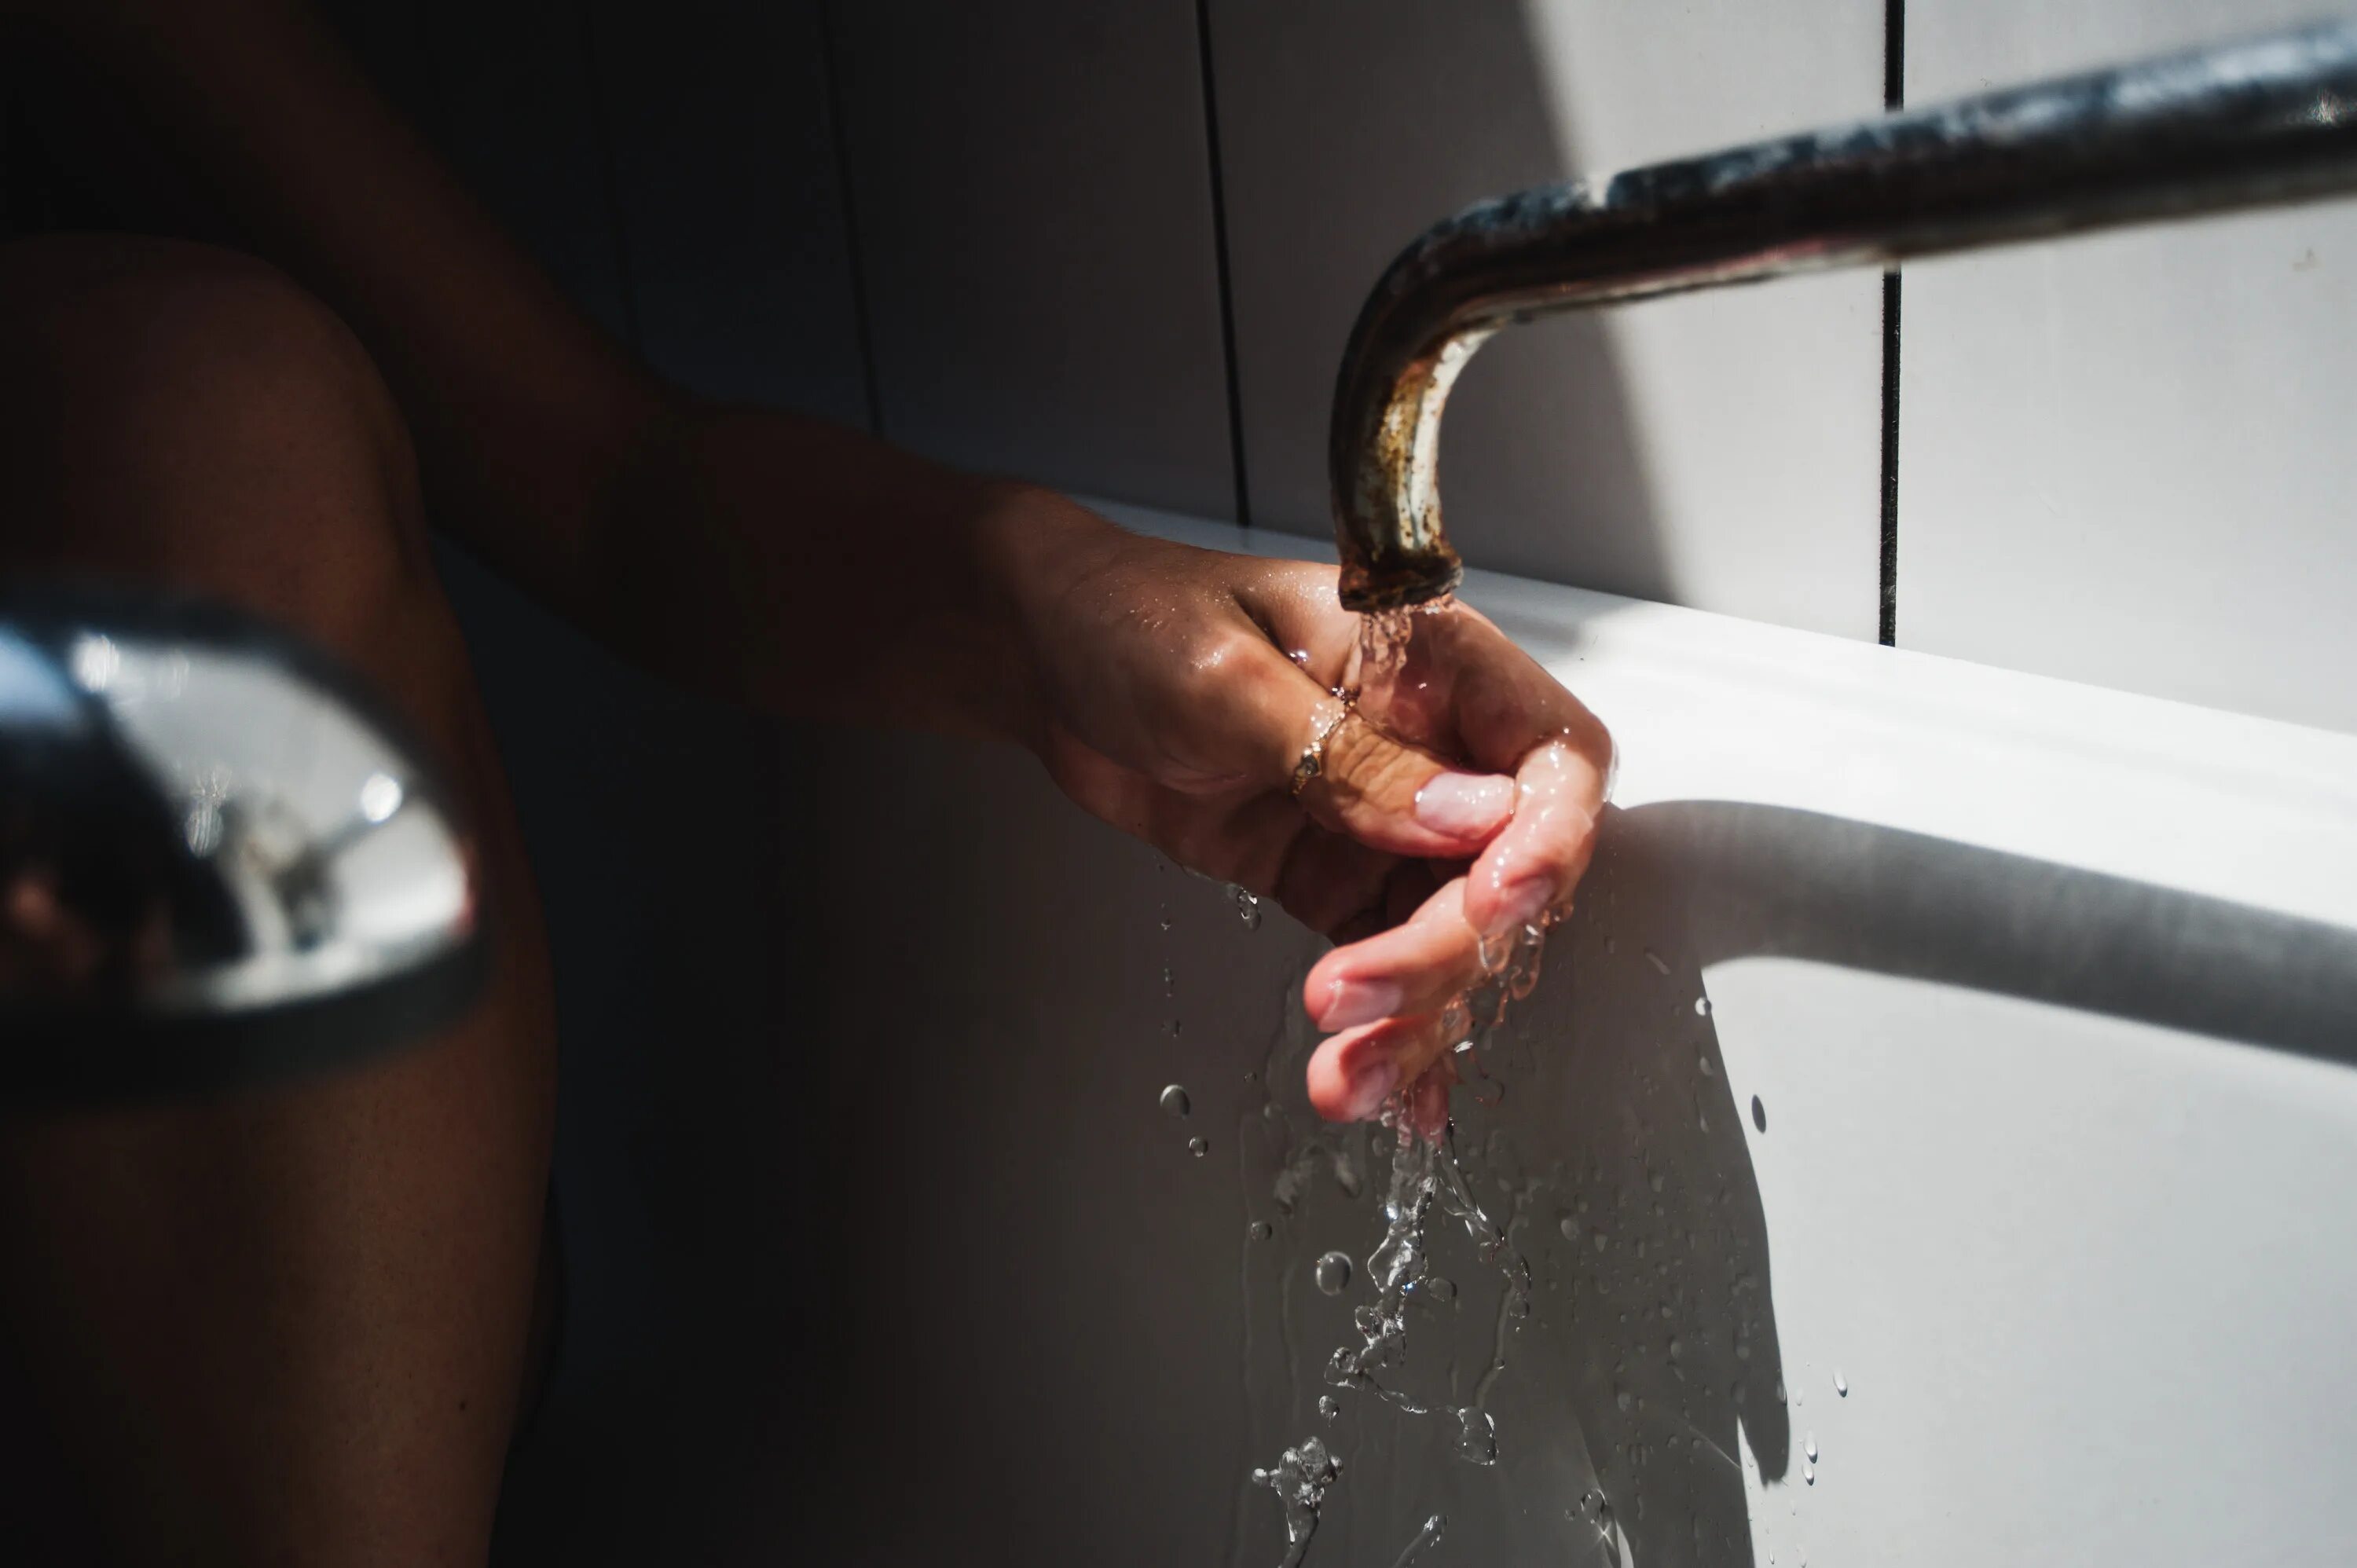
[2250,123]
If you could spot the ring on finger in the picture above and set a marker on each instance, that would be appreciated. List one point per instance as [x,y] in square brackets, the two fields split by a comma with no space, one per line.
[1313,755]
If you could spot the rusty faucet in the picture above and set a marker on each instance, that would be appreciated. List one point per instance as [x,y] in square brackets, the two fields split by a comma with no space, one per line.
[2249,123]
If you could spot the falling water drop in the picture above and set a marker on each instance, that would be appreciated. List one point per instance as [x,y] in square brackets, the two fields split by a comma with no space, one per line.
[1174,1101]
[1198,1146]
[1809,1448]
[1426,1540]
[1329,1407]
[1702,1007]
[1622,1398]
[1247,907]
[1706,1067]
[1600,1242]
[1333,1272]
[1809,1473]
[1841,1384]
[1758,1114]
[1258,1231]
[1570,1226]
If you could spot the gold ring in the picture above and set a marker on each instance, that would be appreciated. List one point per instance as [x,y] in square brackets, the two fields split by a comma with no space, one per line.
[1313,755]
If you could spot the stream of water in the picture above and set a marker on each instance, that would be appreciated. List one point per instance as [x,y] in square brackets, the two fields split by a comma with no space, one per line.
[1425,1175]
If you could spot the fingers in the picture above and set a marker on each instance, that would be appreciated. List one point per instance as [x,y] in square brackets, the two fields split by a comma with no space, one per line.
[1526,873]
[1387,795]
[1411,970]
[1399,798]
[1352,1074]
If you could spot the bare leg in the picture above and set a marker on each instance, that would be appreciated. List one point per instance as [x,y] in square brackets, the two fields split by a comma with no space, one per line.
[286,1325]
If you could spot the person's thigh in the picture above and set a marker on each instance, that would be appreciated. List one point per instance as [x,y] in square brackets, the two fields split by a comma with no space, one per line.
[290,1324]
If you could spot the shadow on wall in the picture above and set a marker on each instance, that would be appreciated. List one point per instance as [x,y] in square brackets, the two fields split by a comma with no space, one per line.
[1611,1149]
[1615,1152]
[1545,423]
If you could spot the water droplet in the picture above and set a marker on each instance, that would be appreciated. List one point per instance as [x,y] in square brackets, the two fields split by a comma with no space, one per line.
[1621,1397]
[1702,1007]
[1655,960]
[1677,1348]
[1809,1448]
[1175,1100]
[1600,1242]
[1758,1114]
[1439,1288]
[1477,1437]
[1329,1407]
[1333,1272]
[1570,1226]
[1780,1391]
[1841,1384]
[1706,1065]
[1809,1473]
[1258,1231]
[1199,1147]
[1657,1181]
[1247,909]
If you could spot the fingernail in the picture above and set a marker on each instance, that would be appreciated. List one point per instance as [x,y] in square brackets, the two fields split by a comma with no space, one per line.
[1350,1002]
[1465,805]
[1522,903]
[1371,1086]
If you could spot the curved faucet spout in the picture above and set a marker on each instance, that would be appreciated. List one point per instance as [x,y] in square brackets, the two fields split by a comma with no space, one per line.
[2250,123]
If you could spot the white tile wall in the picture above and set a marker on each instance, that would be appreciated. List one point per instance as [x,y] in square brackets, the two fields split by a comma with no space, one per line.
[1722,451]
[1032,195]
[2128,460]
[729,199]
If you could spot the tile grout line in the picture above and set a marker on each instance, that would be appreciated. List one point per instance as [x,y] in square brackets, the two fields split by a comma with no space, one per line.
[862,314]
[1220,249]
[1894,98]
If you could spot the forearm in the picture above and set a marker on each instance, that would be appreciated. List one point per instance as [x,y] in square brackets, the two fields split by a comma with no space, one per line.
[813,571]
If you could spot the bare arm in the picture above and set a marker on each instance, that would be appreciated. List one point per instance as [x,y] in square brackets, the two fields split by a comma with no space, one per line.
[738,551]
[806,569]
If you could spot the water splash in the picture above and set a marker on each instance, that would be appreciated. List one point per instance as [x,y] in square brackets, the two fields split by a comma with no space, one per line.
[1425,1175]
[1299,1480]
[1426,1540]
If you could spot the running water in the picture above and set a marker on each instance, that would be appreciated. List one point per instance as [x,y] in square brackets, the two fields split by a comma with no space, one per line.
[1425,1174]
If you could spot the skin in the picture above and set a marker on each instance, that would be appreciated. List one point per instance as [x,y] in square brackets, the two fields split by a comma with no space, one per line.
[397,358]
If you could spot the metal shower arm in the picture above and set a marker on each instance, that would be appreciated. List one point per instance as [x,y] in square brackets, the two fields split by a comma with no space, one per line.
[2250,123]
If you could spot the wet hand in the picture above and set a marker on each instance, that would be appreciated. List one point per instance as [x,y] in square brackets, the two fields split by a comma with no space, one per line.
[1451,805]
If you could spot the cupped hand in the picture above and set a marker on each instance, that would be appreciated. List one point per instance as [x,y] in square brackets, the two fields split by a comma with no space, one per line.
[1177,692]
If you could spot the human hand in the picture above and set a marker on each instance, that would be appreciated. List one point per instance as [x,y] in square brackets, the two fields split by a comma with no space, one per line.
[1177,692]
